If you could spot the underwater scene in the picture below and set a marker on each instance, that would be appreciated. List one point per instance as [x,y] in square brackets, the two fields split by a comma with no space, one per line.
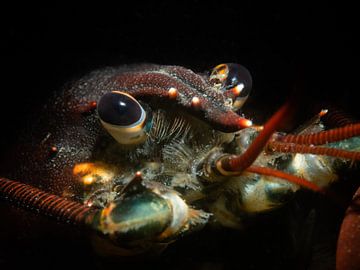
[196,136]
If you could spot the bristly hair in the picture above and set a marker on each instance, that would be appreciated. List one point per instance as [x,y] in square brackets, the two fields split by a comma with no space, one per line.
[164,128]
[178,153]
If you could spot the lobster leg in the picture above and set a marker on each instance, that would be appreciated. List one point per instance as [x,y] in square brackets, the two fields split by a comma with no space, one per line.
[348,246]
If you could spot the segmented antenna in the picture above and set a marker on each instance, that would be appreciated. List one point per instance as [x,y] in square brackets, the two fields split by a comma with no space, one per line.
[324,137]
[45,203]
[310,149]
[239,163]
[286,176]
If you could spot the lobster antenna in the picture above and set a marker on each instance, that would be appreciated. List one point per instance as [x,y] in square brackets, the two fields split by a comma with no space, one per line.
[286,176]
[315,150]
[324,137]
[298,181]
[228,164]
[47,204]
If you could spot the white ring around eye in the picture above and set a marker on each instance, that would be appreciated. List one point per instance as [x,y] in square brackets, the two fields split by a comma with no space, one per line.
[129,135]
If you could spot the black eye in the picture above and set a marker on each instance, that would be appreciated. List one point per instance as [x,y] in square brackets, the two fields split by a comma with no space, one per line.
[234,80]
[240,77]
[123,117]
[119,109]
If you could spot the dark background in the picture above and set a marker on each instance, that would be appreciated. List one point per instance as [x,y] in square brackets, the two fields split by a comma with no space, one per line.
[310,48]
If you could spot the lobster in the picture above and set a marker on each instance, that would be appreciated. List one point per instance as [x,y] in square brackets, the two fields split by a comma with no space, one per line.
[143,155]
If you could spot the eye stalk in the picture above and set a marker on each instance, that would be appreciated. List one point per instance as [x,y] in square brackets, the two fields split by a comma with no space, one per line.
[234,80]
[123,117]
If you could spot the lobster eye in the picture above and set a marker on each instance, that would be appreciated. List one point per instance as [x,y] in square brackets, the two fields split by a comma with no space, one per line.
[234,80]
[123,117]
